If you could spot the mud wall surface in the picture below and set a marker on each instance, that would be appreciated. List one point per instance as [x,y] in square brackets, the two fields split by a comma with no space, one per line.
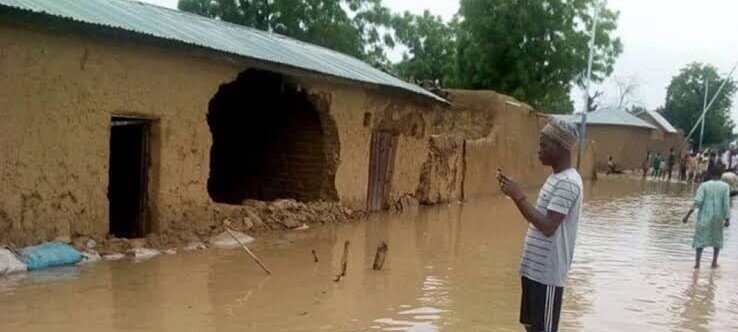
[59,93]
[511,145]
[628,145]
[442,173]
[61,89]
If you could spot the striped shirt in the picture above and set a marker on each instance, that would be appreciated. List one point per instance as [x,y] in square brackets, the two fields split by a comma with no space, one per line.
[547,259]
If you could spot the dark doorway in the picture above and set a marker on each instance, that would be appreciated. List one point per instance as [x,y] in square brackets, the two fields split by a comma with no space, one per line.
[271,140]
[128,171]
[381,160]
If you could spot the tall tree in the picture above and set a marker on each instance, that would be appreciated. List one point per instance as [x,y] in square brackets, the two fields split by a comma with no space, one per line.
[685,98]
[626,91]
[430,44]
[533,50]
[353,27]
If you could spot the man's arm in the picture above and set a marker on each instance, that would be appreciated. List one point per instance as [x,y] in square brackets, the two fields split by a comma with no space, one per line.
[686,218]
[547,223]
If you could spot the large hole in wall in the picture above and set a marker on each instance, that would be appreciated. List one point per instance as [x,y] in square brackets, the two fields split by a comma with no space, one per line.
[270,141]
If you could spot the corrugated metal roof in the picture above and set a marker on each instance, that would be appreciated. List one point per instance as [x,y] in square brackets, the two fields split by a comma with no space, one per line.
[662,122]
[217,35]
[609,116]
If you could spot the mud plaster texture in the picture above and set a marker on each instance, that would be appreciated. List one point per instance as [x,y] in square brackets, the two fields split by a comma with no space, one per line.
[61,90]
[630,147]
[507,140]
[443,171]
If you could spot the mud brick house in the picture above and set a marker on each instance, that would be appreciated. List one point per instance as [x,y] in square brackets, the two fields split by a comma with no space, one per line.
[122,117]
[628,137]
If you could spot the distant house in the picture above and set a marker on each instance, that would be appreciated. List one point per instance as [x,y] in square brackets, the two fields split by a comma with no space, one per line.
[627,137]
[656,119]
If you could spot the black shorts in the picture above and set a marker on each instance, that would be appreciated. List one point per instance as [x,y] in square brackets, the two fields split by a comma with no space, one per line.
[540,306]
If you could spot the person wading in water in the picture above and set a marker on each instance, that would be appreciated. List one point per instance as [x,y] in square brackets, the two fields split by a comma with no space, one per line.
[713,202]
[552,233]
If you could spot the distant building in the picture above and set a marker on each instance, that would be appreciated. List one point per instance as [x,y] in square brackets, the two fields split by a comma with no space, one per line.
[627,137]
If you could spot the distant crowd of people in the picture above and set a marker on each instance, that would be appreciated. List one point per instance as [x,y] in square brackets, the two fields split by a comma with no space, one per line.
[692,167]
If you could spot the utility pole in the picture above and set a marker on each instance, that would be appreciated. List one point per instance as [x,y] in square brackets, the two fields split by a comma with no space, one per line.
[704,110]
[583,123]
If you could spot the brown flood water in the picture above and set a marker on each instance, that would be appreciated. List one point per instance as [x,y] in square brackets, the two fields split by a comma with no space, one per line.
[451,268]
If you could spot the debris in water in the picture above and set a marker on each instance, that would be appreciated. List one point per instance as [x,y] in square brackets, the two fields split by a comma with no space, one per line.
[380,256]
[144,253]
[344,261]
[315,255]
[226,241]
[113,257]
[90,256]
[195,246]
[256,259]
[9,262]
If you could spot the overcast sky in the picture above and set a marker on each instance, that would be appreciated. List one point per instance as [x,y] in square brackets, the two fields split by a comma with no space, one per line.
[659,36]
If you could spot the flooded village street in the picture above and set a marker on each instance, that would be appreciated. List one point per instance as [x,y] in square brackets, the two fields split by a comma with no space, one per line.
[450,268]
[361,165]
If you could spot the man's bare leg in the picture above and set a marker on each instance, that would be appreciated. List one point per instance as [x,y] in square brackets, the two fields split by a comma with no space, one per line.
[529,328]
[715,253]
[697,258]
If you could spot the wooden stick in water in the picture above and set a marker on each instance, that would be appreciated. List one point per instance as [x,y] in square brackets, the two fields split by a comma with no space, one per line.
[344,261]
[315,255]
[380,256]
[248,251]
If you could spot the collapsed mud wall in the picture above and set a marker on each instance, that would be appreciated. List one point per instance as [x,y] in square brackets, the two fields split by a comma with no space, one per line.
[445,155]
[64,88]
[442,173]
[511,144]
[61,90]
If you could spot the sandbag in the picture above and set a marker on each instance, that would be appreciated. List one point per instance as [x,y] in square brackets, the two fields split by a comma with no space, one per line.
[49,254]
[9,263]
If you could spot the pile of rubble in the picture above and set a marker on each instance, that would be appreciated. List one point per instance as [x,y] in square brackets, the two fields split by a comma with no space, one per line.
[252,217]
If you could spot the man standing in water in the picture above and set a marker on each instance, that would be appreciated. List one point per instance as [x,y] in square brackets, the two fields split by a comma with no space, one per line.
[713,203]
[549,243]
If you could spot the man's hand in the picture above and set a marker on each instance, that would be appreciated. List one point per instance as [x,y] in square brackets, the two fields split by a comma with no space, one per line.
[509,187]
[685,219]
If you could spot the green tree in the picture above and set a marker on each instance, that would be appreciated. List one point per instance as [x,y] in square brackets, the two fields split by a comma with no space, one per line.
[685,98]
[430,44]
[354,27]
[533,50]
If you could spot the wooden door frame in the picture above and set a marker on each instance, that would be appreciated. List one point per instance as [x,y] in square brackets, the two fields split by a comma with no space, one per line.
[375,165]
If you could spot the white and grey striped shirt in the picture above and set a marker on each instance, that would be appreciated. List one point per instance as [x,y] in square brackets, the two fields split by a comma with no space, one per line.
[547,259]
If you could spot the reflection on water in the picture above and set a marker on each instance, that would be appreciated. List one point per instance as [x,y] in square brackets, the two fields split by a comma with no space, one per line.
[451,268]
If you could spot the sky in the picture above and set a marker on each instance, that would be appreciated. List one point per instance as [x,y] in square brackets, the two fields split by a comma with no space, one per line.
[659,37]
